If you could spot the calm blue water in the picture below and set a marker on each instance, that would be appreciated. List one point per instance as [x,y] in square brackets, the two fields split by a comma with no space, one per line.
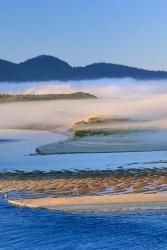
[22,143]
[33,229]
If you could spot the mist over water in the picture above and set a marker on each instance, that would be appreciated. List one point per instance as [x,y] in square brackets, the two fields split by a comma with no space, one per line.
[116,88]
[141,100]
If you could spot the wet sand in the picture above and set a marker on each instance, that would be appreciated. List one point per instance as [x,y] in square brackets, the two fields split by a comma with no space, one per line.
[88,194]
[94,203]
[83,186]
[130,142]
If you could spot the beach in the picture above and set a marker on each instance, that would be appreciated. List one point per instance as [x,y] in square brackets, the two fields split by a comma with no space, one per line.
[74,203]
[103,191]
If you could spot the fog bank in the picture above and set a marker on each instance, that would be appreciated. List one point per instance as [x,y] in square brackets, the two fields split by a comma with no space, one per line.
[64,113]
[115,88]
[141,100]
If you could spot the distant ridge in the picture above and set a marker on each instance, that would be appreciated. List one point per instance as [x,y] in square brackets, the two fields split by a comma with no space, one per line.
[4,98]
[45,68]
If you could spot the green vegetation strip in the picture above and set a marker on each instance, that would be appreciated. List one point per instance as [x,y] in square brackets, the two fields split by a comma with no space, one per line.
[103,131]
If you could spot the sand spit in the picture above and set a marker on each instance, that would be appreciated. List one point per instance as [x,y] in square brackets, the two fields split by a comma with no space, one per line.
[103,203]
[128,142]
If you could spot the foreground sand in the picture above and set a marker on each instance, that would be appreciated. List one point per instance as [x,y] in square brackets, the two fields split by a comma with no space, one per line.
[120,189]
[84,202]
[84,186]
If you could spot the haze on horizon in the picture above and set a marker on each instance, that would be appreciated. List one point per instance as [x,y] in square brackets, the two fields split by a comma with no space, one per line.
[127,98]
[82,32]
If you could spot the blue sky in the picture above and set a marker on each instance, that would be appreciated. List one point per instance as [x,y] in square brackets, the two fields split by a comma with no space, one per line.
[131,32]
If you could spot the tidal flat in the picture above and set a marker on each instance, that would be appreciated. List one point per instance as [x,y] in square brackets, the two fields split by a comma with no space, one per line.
[58,189]
[139,183]
[68,183]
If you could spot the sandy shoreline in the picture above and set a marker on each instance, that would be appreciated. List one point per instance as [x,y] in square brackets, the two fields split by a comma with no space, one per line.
[132,142]
[96,202]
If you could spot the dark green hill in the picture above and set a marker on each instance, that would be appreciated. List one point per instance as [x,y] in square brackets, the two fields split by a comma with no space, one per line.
[45,68]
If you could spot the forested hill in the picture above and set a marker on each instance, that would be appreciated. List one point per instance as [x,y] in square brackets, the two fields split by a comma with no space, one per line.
[44,68]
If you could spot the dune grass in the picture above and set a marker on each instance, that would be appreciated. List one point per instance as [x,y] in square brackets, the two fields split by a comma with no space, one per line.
[103,131]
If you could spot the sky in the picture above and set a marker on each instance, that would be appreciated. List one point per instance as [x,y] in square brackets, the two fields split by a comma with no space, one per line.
[129,32]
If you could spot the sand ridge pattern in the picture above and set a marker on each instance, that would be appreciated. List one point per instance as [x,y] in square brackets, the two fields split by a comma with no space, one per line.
[87,186]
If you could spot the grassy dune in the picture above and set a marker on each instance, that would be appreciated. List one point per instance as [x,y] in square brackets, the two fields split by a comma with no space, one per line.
[105,125]
[103,131]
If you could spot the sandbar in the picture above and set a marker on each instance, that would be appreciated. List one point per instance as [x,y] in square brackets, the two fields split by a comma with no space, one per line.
[130,142]
[97,203]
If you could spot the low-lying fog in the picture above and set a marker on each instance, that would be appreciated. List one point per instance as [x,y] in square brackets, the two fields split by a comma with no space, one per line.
[141,100]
